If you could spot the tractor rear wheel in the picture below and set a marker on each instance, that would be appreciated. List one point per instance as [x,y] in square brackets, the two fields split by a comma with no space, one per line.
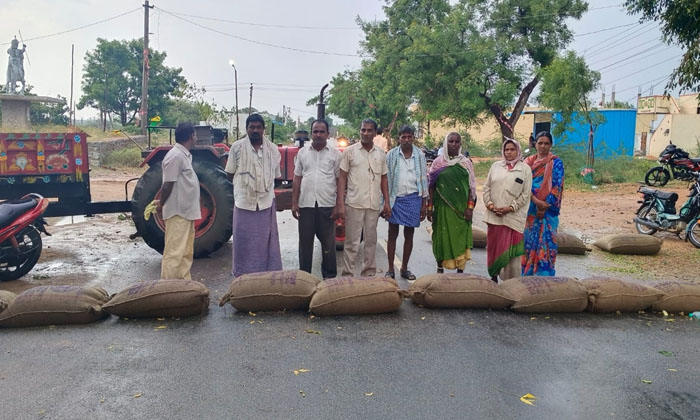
[216,202]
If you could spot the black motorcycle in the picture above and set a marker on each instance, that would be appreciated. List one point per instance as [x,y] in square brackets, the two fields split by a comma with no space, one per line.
[679,162]
[658,212]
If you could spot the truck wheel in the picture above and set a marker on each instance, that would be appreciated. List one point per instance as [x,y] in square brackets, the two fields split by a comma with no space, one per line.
[216,199]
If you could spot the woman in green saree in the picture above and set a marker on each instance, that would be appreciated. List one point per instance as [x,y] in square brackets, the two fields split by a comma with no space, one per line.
[452,189]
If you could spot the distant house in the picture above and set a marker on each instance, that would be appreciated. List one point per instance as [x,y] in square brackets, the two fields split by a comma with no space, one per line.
[663,119]
[615,137]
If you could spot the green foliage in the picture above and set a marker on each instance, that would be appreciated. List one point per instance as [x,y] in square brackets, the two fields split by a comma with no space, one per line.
[126,157]
[348,131]
[679,24]
[607,171]
[192,107]
[454,60]
[112,77]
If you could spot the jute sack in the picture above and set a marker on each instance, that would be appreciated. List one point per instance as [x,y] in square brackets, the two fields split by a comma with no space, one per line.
[160,298]
[459,291]
[271,291]
[570,244]
[612,295]
[355,295]
[679,296]
[54,305]
[546,294]
[629,243]
[6,298]
[478,238]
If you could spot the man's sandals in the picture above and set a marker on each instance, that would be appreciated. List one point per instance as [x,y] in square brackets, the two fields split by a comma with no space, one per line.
[404,275]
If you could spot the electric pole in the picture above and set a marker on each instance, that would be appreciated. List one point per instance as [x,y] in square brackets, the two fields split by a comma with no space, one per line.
[250,102]
[146,66]
[71,111]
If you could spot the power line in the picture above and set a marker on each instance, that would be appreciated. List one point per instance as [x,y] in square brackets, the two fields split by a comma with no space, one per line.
[607,29]
[631,56]
[618,39]
[657,80]
[641,58]
[79,27]
[645,69]
[630,49]
[257,42]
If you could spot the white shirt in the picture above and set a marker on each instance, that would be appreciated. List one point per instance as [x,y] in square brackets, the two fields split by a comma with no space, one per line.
[408,181]
[264,194]
[319,172]
[184,198]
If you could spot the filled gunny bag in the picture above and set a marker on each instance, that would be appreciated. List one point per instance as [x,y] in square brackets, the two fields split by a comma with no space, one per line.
[356,296]
[55,305]
[612,295]
[570,244]
[172,298]
[629,244]
[6,298]
[679,296]
[457,290]
[271,291]
[546,294]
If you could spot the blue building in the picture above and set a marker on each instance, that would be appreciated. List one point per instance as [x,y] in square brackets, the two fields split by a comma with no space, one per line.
[614,137]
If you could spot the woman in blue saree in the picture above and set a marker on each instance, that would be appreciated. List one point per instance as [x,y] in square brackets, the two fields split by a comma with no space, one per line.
[543,215]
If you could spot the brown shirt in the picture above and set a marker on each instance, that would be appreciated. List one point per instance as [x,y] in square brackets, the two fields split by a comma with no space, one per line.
[365,170]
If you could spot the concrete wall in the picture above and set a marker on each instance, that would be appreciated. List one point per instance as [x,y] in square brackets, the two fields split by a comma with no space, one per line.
[97,150]
[486,131]
[682,130]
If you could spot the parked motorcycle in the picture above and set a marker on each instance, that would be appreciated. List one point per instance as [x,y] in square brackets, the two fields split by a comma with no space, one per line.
[21,226]
[658,212]
[678,161]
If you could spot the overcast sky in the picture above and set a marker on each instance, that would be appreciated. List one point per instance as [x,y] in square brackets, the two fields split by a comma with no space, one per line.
[197,41]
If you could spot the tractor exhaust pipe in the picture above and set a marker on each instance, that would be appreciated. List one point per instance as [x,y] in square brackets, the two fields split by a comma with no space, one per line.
[321,107]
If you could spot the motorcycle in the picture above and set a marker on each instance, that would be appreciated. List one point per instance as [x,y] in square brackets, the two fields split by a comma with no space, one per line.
[658,212]
[678,161]
[21,226]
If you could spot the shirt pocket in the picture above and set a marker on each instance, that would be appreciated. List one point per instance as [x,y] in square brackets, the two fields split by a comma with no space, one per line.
[375,164]
[513,188]
[327,167]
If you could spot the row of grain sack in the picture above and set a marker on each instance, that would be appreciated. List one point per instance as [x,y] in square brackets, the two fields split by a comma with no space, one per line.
[57,305]
[298,290]
[291,290]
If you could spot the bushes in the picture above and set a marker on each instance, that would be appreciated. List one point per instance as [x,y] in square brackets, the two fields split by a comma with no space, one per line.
[607,171]
[126,157]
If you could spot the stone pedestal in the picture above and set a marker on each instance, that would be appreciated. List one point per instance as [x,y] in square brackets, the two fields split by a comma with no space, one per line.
[15,109]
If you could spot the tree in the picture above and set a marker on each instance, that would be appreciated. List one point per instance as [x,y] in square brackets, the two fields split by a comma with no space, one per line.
[193,107]
[459,60]
[112,80]
[679,25]
[567,84]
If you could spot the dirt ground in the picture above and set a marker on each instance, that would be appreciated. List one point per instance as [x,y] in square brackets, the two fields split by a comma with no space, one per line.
[589,214]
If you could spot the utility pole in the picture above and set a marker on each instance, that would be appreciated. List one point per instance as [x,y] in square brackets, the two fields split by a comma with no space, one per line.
[612,98]
[71,112]
[146,66]
[602,101]
[250,102]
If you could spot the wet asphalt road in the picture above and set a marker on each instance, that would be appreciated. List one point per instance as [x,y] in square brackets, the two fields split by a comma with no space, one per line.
[415,363]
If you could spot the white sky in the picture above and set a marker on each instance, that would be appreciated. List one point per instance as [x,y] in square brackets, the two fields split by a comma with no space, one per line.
[281,76]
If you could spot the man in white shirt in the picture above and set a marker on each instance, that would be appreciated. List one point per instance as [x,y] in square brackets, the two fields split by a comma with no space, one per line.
[314,193]
[179,204]
[363,171]
[408,197]
[253,164]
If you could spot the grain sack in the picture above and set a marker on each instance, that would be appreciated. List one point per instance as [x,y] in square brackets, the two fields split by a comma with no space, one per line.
[629,243]
[459,291]
[679,296]
[6,299]
[355,295]
[478,238]
[612,295]
[570,244]
[546,294]
[271,291]
[160,298]
[54,305]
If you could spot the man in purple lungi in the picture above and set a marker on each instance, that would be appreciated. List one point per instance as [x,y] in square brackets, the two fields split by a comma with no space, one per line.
[253,164]
[408,196]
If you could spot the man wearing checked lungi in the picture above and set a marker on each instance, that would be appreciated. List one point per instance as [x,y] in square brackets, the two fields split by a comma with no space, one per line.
[253,164]
[408,196]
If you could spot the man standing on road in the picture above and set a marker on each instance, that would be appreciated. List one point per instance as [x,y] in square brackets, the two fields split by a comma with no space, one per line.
[363,172]
[179,204]
[408,196]
[314,194]
[253,164]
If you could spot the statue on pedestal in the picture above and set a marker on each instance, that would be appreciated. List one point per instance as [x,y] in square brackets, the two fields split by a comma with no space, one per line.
[15,67]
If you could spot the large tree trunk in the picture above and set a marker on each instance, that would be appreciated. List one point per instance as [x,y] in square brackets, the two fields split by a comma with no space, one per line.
[507,125]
